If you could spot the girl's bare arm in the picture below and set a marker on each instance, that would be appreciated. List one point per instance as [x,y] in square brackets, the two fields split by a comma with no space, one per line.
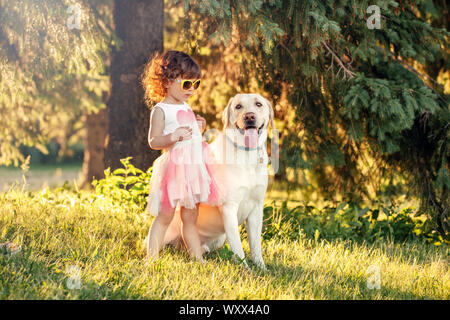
[156,139]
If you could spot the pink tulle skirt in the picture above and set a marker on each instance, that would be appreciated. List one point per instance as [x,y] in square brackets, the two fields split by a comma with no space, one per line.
[183,176]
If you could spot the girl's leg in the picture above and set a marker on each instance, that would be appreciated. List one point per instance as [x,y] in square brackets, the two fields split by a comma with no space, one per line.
[156,234]
[190,232]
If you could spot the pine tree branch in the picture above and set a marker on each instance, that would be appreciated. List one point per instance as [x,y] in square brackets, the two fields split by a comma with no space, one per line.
[287,50]
[421,75]
[347,72]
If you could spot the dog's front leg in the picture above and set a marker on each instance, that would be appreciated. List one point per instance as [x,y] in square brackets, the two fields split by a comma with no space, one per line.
[254,229]
[230,220]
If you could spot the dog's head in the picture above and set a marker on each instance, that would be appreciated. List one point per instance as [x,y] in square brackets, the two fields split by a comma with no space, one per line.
[250,115]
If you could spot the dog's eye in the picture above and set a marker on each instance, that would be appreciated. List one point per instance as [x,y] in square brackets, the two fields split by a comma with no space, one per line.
[258,104]
[238,106]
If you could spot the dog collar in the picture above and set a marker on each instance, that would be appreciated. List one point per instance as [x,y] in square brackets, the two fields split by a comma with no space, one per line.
[241,147]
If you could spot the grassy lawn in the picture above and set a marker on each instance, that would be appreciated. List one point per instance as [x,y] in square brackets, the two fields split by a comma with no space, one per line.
[60,235]
[39,176]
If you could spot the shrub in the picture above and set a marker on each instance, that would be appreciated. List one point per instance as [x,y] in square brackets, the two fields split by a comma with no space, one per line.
[347,221]
[125,186]
[128,187]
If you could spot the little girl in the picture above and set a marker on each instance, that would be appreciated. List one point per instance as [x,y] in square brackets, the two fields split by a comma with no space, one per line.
[181,176]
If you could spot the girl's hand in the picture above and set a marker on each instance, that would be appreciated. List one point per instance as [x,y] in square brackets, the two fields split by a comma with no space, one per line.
[201,123]
[182,133]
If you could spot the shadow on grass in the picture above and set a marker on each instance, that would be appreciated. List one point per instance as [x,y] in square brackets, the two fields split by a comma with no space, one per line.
[339,285]
[418,251]
[342,286]
[24,276]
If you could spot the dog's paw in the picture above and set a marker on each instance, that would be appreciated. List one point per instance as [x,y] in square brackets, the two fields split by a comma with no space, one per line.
[148,261]
[205,248]
[260,264]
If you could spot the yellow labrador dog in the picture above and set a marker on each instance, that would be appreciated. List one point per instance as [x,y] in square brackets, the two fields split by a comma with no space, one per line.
[241,172]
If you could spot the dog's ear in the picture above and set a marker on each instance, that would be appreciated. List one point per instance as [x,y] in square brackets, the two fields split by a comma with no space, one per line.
[226,114]
[271,113]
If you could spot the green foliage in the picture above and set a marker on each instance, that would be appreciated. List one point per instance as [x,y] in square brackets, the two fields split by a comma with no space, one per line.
[127,186]
[369,103]
[261,30]
[355,105]
[347,221]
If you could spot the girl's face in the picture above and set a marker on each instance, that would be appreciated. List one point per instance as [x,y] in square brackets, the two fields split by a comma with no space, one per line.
[177,93]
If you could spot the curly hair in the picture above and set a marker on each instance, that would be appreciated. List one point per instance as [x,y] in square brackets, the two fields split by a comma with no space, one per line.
[162,69]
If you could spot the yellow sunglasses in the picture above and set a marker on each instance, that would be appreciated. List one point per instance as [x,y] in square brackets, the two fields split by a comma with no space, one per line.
[187,84]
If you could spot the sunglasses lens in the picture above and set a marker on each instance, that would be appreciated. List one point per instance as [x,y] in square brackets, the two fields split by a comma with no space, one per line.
[186,85]
[196,84]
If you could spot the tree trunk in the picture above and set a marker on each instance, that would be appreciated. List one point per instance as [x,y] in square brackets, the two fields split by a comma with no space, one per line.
[94,142]
[139,24]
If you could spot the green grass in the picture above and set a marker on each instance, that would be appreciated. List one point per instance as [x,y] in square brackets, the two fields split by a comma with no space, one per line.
[56,230]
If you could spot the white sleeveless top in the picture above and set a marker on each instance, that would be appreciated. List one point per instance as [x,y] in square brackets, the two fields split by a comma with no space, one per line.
[181,176]
[179,115]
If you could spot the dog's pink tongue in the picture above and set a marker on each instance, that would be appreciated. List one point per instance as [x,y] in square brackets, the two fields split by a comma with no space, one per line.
[251,138]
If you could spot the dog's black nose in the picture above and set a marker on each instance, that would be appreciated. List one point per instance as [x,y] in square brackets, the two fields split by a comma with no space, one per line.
[249,117]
